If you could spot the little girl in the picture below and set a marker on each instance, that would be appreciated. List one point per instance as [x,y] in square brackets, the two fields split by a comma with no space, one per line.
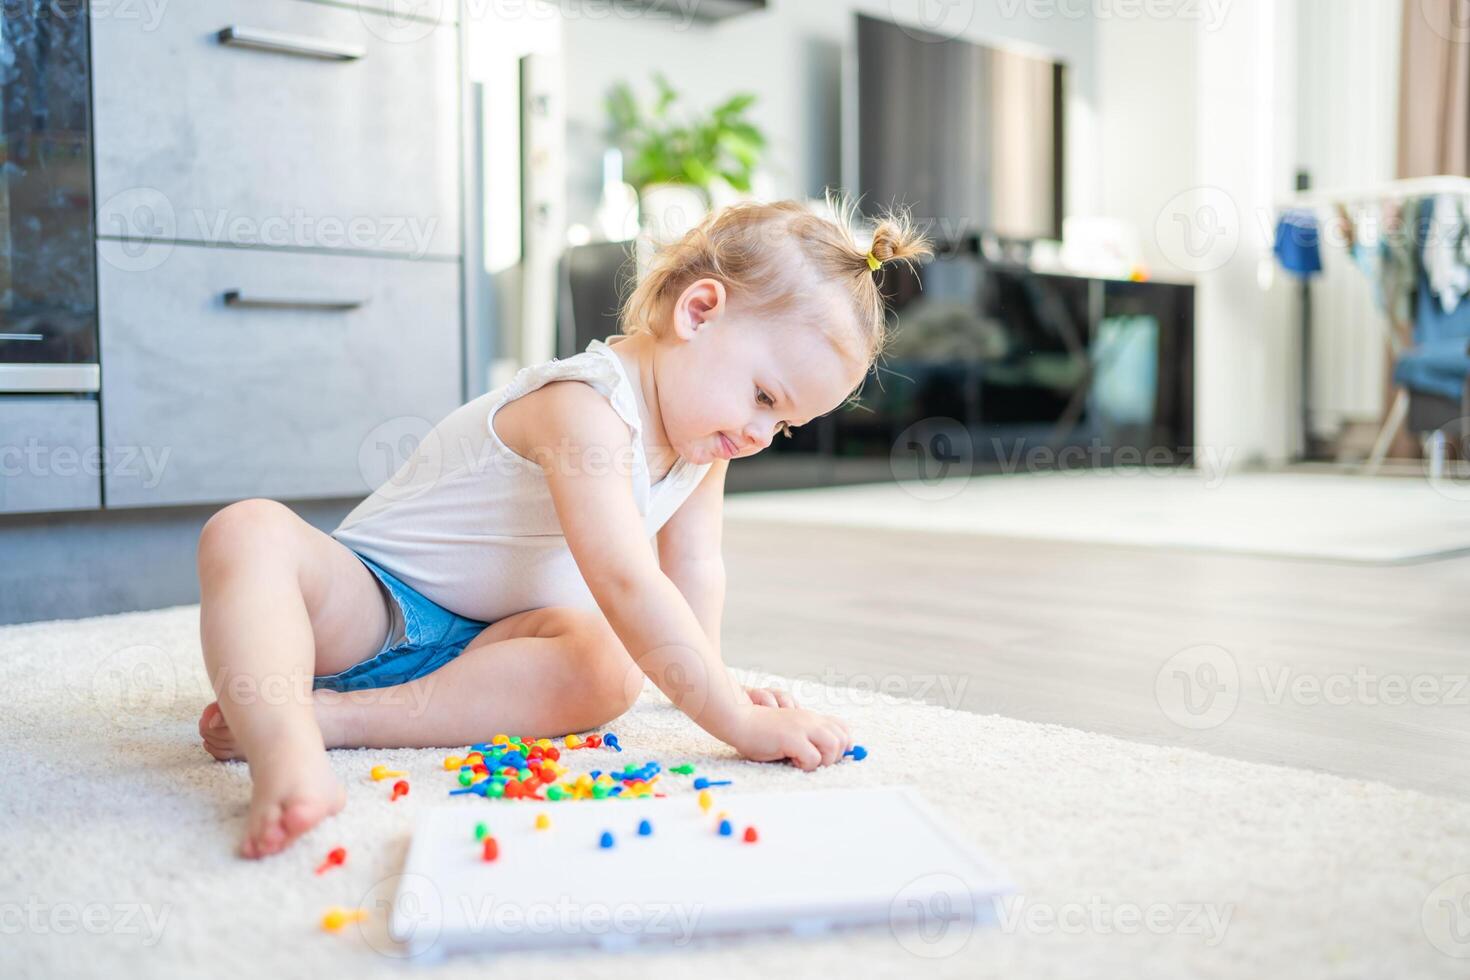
[551,543]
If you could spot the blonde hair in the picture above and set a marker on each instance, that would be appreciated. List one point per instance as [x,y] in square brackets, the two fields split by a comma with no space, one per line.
[768,255]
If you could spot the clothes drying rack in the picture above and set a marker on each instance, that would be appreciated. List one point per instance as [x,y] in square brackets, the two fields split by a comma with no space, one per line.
[1402,189]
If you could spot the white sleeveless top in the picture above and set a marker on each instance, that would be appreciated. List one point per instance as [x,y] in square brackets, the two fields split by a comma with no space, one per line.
[470,524]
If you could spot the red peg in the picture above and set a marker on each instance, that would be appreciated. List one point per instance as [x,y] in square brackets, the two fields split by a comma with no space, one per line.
[335,857]
[492,849]
[400,788]
[594,741]
[751,836]
[554,754]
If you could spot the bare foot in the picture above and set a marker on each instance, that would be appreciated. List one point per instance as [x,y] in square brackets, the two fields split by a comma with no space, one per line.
[219,741]
[292,787]
[292,790]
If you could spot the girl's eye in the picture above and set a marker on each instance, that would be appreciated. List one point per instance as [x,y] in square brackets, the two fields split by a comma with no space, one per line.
[764,399]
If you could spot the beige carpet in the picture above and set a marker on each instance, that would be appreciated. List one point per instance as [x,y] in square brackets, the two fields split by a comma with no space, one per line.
[1287,515]
[1132,861]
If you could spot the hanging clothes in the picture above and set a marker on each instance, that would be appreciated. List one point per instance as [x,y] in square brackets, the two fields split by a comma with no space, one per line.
[1447,251]
[1297,246]
[1383,242]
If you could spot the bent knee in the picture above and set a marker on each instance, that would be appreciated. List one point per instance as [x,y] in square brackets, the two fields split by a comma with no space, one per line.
[255,521]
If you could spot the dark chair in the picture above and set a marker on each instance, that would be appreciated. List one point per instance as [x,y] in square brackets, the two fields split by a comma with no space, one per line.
[594,279]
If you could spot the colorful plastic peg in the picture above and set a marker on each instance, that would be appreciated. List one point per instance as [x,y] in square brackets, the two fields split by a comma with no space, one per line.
[702,783]
[383,772]
[400,788]
[336,917]
[335,857]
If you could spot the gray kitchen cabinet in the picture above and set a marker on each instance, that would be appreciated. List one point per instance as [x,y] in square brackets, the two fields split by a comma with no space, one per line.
[49,456]
[260,373]
[305,125]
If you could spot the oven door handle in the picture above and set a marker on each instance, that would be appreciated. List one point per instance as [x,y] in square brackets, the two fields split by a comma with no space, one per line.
[238,300]
[283,43]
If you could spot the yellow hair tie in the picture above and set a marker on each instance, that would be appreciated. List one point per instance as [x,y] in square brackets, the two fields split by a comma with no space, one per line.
[873,262]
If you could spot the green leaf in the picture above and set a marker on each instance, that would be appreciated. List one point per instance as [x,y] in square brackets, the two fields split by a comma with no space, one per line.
[666,94]
[734,105]
[739,181]
[697,172]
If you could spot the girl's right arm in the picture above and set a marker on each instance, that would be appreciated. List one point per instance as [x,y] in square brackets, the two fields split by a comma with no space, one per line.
[586,452]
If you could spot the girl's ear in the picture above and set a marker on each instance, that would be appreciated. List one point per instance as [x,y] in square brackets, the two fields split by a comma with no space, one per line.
[702,302]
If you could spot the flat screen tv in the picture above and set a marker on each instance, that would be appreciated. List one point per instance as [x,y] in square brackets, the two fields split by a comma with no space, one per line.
[971,136]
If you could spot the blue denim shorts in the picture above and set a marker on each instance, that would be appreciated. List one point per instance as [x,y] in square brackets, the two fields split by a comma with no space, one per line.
[433,636]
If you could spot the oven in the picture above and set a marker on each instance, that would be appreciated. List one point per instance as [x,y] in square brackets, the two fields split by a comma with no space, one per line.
[48,273]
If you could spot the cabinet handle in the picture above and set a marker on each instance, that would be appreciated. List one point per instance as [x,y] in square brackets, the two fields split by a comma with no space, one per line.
[22,336]
[299,44]
[237,299]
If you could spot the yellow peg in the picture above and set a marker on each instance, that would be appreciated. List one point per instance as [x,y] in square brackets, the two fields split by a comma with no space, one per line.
[337,917]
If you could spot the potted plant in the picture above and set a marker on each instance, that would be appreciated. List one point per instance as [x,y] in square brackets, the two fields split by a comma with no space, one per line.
[672,162]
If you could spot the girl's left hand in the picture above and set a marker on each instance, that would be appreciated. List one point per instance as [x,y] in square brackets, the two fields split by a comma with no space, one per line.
[770,697]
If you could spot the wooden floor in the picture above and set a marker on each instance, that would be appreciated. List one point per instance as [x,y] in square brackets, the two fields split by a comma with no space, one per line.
[1359,670]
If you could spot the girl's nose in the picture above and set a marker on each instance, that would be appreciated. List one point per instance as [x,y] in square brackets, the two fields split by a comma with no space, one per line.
[758,435]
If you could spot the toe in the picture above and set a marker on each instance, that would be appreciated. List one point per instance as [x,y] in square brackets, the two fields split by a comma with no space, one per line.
[264,834]
[211,718]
